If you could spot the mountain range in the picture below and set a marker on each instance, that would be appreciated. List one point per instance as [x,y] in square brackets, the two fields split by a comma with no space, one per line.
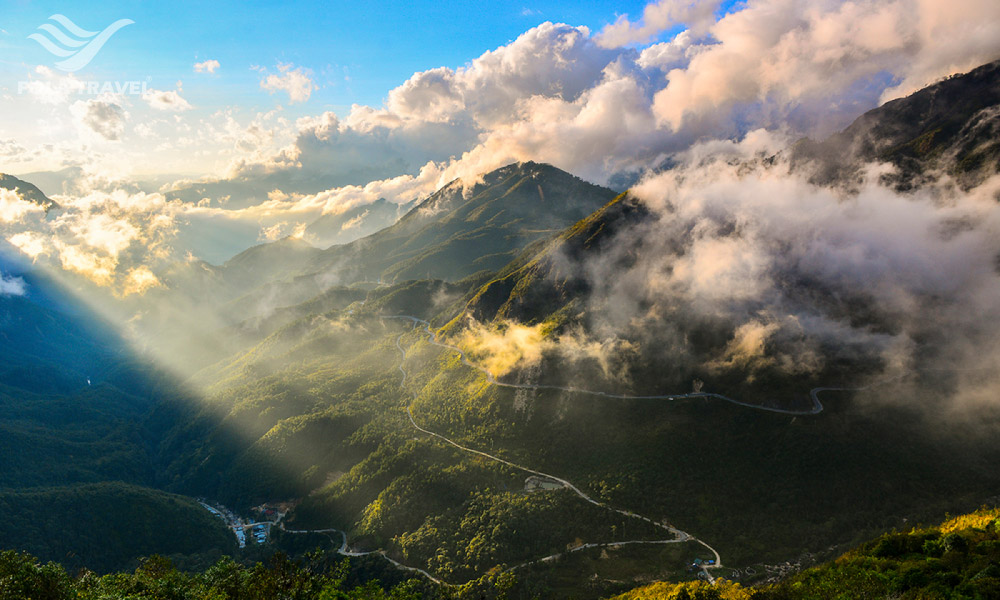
[445,392]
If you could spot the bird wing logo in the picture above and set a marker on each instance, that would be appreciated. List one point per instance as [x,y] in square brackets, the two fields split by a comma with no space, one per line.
[76,45]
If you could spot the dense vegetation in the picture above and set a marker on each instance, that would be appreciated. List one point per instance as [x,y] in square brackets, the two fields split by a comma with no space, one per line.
[309,416]
[298,398]
[105,526]
[958,560]
[78,461]
[319,577]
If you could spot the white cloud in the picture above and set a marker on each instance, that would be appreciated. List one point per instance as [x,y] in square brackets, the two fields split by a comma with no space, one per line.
[742,245]
[208,66]
[11,150]
[296,82]
[777,56]
[442,113]
[12,286]
[15,209]
[400,190]
[697,15]
[808,66]
[275,232]
[354,222]
[116,240]
[49,87]
[169,100]
[104,117]
[556,95]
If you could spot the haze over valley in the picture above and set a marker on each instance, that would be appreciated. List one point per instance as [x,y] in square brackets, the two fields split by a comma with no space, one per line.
[667,300]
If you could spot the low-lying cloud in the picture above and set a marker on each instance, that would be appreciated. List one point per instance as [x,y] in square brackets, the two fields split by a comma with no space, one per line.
[747,270]
[502,347]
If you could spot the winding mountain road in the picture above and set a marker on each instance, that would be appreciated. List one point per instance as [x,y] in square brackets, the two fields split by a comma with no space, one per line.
[678,536]
[345,551]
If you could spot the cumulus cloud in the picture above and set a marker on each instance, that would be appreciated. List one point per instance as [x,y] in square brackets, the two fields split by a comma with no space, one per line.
[559,94]
[296,82]
[282,230]
[354,222]
[114,240]
[551,60]
[12,286]
[208,66]
[15,209]
[169,100]
[435,116]
[399,190]
[139,280]
[605,112]
[103,117]
[697,15]
[776,56]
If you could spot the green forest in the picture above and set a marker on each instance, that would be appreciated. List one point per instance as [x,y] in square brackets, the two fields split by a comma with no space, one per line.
[957,560]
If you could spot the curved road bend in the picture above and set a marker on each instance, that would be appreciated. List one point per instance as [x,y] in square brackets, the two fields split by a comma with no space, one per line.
[345,552]
[679,536]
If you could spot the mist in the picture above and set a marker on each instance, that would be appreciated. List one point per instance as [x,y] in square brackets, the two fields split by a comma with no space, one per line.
[750,276]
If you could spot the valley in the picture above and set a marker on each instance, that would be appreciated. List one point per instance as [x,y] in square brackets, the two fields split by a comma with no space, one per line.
[583,330]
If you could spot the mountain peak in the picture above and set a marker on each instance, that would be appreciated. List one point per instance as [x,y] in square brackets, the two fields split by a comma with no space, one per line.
[459,230]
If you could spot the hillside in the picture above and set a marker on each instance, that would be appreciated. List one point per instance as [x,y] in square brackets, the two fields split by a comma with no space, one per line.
[555,414]
[28,191]
[957,559]
[453,234]
[313,409]
[109,526]
[589,277]
[77,474]
[316,413]
[665,299]
[353,223]
[456,231]
[541,282]
[950,127]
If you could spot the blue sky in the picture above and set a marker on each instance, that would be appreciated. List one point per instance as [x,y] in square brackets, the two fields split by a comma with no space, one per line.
[357,51]
[347,53]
